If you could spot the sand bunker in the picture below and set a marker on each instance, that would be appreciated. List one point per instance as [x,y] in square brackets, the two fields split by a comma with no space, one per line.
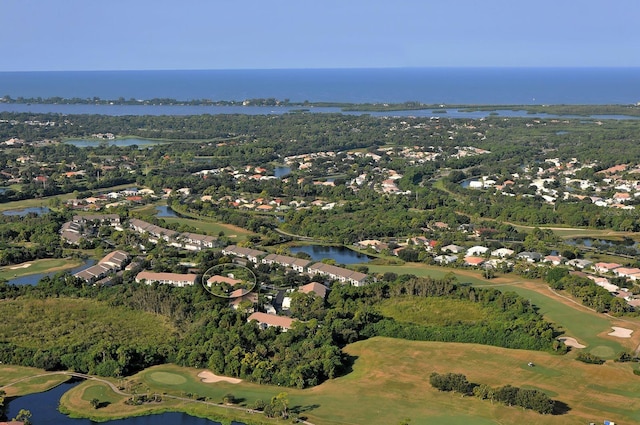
[571,342]
[210,378]
[21,266]
[620,332]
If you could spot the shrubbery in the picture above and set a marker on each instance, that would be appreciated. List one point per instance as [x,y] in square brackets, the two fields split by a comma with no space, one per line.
[511,396]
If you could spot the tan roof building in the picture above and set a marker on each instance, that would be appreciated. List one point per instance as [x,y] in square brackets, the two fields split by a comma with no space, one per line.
[271,320]
[174,279]
[317,288]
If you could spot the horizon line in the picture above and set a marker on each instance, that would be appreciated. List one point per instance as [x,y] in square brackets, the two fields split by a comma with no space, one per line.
[333,68]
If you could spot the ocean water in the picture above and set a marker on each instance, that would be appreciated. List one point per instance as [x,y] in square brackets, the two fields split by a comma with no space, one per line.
[496,86]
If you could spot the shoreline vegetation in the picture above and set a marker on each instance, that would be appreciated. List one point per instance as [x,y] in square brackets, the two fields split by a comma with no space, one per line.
[557,109]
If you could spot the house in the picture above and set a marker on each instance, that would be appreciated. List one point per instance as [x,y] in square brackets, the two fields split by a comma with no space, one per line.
[605,267]
[455,249]
[271,320]
[445,259]
[473,261]
[174,279]
[197,242]
[317,288]
[111,219]
[222,279]
[556,260]
[297,264]
[579,264]
[477,250]
[109,264]
[629,272]
[248,253]
[116,259]
[338,273]
[531,257]
[247,297]
[502,252]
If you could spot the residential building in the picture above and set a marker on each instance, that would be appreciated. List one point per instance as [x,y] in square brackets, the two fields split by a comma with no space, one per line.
[338,273]
[271,320]
[174,279]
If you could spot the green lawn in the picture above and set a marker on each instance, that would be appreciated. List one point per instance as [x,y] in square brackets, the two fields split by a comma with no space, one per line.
[203,224]
[9,374]
[38,266]
[212,228]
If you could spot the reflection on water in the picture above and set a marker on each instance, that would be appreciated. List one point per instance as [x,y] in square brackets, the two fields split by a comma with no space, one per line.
[44,411]
[340,254]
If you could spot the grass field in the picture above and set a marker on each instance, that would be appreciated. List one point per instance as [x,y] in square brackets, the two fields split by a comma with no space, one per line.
[203,224]
[586,326]
[38,266]
[433,311]
[390,382]
[32,383]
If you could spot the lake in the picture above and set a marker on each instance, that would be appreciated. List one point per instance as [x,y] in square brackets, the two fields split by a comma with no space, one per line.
[44,411]
[33,279]
[340,254]
[165,211]
[131,141]
[25,211]
[281,171]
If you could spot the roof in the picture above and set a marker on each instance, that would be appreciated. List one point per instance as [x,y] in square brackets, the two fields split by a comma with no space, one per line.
[474,261]
[243,252]
[315,287]
[222,279]
[116,257]
[271,320]
[166,277]
[331,270]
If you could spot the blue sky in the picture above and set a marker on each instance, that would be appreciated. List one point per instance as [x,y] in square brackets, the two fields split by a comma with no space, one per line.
[37,35]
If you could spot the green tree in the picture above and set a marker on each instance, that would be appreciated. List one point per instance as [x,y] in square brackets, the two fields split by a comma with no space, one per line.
[23,416]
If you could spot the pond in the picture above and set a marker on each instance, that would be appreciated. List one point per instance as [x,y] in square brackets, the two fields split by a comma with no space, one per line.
[33,279]
[281,171]
[626,246]
[340,254]
[130,141]
[25,211]
[165,211]
[44,411]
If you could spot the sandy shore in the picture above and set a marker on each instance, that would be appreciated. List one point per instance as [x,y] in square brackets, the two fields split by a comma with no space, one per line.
[210,378]
[571,342]
[620,332]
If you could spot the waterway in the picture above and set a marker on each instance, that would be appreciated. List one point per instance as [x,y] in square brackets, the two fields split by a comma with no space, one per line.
[33,279]
[25,211]
[340,254]
[44,411]
[156,110]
